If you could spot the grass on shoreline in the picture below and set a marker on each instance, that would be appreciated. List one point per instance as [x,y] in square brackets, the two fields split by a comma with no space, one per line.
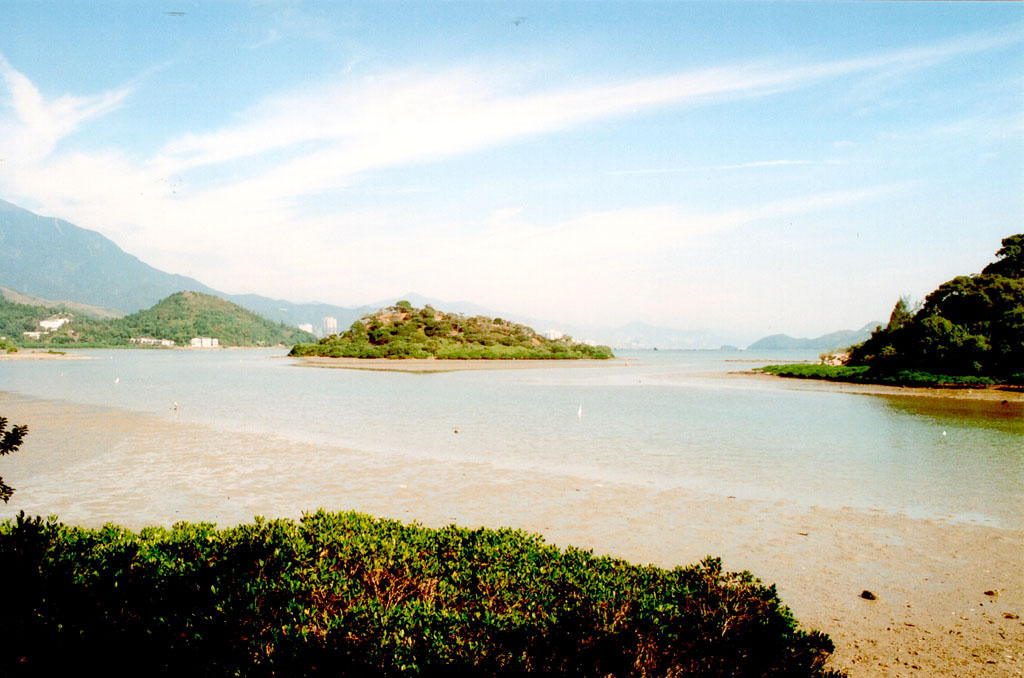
[862,374]
[347,594]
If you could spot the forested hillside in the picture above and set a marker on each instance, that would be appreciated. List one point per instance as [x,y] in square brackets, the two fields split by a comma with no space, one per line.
[970,325]
[53,259]
[179,317]
[402,331]
[15,318]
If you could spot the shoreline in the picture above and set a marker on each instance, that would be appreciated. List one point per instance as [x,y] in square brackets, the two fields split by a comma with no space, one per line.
[432,365]
[39,354]
[988,394]
[932,615]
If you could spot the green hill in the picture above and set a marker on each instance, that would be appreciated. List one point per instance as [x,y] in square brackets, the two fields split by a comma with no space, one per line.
[969,326]
[49,258]
[402,331]
[968,332]
[64,304]
[827,342]
[17,318]
[179,318]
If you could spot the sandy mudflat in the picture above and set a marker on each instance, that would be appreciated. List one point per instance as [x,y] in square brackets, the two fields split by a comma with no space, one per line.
[25,354]
[424,365]
[1009,394]
[932,615]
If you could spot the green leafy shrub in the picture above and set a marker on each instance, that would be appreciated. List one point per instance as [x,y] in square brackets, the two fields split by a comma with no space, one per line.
[345,594]
[10,441]
[863,374]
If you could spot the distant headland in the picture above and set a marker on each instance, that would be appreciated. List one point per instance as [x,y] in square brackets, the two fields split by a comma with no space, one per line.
[968,333]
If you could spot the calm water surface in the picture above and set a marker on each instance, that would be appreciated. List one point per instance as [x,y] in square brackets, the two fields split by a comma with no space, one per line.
[665,419]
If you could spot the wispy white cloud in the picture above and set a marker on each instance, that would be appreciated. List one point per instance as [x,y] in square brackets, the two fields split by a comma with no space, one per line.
[32,126]
[713,168]
[323,136]
[317,139]
[609,257]
[272,36]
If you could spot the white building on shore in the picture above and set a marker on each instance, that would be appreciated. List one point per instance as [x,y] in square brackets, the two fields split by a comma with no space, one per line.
[204,342]
[150,341]
[53,324]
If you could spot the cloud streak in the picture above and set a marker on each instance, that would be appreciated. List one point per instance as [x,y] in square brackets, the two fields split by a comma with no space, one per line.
[758,164]
[35,126]
[321,137]
[246,182]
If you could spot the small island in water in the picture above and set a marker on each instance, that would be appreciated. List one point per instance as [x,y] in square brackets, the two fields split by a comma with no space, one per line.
[968,333]
[403,331]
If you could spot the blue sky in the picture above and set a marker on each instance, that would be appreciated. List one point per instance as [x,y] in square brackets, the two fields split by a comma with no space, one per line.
[742,167]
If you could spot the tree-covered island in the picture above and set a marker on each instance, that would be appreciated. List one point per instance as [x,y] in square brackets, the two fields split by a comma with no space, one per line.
[403,331]
[968,332]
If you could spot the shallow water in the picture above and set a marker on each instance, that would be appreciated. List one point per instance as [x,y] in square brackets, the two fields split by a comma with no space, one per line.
[665,420]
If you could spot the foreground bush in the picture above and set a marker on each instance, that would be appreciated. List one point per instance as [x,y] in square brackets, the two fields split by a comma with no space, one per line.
[345,594]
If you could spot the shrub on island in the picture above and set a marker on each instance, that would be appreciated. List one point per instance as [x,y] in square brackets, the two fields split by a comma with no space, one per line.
[346,594]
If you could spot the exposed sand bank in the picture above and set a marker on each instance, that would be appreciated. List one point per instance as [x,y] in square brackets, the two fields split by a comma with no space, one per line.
[425,365]
[1009,394]
[29,354]
[932,616]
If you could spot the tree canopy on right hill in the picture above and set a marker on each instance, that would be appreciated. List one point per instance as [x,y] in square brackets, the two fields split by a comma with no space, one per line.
[970,325]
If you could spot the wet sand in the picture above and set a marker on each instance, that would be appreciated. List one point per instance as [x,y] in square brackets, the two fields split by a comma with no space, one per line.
[932,615]
[28,354]
[430,365]
[998,393]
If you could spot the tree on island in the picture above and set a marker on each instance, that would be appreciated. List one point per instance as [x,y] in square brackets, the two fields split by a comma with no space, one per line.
[970,325]
[10,441]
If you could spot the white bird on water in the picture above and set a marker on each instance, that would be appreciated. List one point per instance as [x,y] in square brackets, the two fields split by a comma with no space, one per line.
[580,412]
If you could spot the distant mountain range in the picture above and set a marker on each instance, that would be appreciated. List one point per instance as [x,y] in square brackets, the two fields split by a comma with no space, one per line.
[49,261]
[827,342]
[54,260]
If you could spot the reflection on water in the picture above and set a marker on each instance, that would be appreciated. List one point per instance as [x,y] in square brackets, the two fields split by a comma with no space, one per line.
[1004,415]
[660,420]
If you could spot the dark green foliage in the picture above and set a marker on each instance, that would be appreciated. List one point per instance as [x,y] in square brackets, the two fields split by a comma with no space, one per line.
[16,318]
[185,315]
[1011,261]
[345,594]
[863,374]
[402,331]
[179,317]
[969,326]
[10,441]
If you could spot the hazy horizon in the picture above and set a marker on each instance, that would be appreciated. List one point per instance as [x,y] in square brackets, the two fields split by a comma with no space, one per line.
[747,168]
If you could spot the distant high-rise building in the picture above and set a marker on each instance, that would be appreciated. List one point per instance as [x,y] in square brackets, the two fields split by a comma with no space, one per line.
[330,325]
